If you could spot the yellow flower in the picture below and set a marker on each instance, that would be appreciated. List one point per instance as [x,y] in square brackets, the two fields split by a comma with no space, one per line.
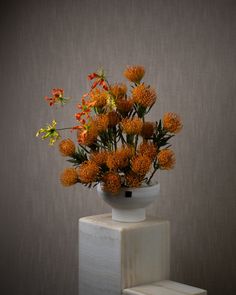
[119,90]
[67,147]
[148,149]
[134,73]
[112,182]
[141,164]
[133,180]
[132,126]
[144,95]
[50,132]
[166,159]
[88,172]
[69,177]
[172,122]
[111,103]
[147,130]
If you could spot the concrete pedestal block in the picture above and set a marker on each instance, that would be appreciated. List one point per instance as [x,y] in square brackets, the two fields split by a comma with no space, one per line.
[114,256]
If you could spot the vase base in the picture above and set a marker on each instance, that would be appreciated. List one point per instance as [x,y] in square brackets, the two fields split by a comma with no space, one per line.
[129,215]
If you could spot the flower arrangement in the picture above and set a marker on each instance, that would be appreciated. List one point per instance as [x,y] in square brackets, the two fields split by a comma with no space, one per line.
[116,145]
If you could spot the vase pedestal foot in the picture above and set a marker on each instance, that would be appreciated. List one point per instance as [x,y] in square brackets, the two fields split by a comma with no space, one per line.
[129,215]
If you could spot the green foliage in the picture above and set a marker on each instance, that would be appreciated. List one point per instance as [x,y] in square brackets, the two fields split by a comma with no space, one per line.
[79,157]
[161,136]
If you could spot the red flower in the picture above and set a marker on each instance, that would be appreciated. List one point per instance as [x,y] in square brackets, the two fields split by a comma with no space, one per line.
[92,76]
[99,81]
[57,96]
[51,100]
[57,92]
[95,84]
[86,108]
[104,85]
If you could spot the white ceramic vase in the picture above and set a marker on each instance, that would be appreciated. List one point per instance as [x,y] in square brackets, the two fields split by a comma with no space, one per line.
[129,205]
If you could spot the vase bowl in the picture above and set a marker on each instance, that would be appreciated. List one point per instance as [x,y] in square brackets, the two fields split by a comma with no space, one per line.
[129,204]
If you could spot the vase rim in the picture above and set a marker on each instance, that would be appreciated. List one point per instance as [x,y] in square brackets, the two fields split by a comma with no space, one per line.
[142,187]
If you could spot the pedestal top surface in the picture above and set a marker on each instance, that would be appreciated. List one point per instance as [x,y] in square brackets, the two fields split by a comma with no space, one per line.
[105,220]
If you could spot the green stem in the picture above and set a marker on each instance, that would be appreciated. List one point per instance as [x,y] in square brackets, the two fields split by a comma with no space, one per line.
[135,112]
[101,146]
[84,148]
[115,134]
[130,138]
[149,179]
[122,137]
[136,142]
[155,166]
[60,129]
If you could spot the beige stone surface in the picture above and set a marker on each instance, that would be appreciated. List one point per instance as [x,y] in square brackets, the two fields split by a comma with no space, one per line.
[114,256]
[150,290]
[186,289]
[165,287]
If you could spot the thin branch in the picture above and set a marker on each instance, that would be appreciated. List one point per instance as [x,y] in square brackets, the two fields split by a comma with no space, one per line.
[149,179]
[60,129]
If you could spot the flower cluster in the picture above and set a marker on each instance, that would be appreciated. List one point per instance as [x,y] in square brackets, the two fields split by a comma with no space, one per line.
[57,97]
[50,132]
[116,145]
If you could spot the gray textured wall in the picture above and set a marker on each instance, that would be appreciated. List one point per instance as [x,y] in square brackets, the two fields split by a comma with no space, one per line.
[189,51]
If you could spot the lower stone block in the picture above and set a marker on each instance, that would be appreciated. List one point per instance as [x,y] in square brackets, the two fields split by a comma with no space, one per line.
[186,289]
[114,256]
[164,288]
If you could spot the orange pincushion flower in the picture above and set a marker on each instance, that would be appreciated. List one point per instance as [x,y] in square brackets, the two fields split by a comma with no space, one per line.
[124,106]
[101,122]
[166,159]
[141,164]
[120,158]
[126,151]
[113,118]
[133,179]
[111,161]
[99,157]
[67,147]
[88,172]
[148,149]
[144,95]
[69,177]
[112,182]
[99,97]
[123,156]
[134,73]
[147,130]
[119,90]
[172,122]
[132,126]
